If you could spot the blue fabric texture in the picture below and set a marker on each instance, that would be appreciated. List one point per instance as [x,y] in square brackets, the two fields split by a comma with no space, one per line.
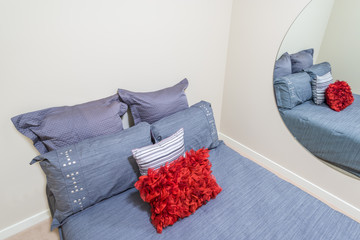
[321,79]
[329,135]
[254,205]
[56,127]
[198,123]
[87,172]
[301,60]
[282,66]
[152,106]
[292,90]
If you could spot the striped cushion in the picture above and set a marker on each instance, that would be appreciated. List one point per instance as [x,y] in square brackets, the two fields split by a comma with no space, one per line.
[319,85]
[155,156]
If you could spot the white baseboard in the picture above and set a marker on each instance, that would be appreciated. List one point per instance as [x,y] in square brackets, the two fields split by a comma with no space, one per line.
[307,186]
[24,224]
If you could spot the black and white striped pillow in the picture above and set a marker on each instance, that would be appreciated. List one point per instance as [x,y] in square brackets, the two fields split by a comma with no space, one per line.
[156,155]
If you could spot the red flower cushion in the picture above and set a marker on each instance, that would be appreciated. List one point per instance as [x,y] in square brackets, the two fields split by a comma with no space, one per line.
[178,189]
[338,95]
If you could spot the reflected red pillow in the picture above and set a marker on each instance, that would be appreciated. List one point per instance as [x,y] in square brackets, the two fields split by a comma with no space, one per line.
[339,96]
[178,189]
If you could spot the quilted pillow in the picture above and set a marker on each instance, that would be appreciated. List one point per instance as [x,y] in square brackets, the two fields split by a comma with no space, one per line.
[301,60]
[152,106]
[82,174]
[178,189]
[198,123]
[156,155]
[56,127]
[339,95]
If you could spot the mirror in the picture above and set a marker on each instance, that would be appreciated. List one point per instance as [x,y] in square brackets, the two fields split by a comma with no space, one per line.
[330,28]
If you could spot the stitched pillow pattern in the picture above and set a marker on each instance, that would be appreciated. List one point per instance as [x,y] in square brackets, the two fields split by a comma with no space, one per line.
[339,95]
[56,127]
[156,155]
[82,174]
[152,106]
[178,189]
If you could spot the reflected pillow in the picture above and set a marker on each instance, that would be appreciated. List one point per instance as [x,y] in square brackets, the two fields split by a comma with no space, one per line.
[56,127]
[339,96]
[282,66]
[292,90]
[82,174]
[321,78]
[152,106]
[301,60]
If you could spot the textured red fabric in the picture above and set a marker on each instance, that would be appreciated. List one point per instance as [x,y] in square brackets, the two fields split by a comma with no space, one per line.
[178,189]
[339,96]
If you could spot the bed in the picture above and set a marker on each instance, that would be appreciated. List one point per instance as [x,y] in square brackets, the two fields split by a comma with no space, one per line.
[331,136]
[90,181]
[254,204]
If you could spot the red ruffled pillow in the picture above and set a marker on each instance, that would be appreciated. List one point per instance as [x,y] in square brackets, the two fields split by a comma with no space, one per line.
[339,96]
[178,189]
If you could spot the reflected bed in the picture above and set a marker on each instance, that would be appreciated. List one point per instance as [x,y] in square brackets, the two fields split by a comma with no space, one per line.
[331,136]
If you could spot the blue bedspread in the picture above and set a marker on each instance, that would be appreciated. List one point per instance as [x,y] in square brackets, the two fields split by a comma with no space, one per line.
[330,135]
[254,204]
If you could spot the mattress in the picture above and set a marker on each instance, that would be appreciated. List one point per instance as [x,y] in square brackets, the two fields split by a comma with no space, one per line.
[329,135]
[254,204]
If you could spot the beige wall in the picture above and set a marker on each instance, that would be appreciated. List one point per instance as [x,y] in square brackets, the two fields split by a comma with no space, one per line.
[55,53]
[249,112]
[308,30]
[340,46]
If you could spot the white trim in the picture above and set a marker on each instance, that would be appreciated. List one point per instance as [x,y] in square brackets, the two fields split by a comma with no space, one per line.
[24,224]
[307,186]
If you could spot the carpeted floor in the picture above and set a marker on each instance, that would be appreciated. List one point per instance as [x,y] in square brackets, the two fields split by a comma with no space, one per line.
[40,231]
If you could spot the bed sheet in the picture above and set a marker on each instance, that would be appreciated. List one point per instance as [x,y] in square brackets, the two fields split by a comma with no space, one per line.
[329,135]
[254,204]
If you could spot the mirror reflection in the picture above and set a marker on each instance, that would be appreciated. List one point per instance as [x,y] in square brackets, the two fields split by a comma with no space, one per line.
[316,82]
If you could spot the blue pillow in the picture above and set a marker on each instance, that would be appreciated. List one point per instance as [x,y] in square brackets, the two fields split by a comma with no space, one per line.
[301,60]
[292,90]
[198,123]
[321,78]
[87,172]
[56,127]
[152,106]
[282,66]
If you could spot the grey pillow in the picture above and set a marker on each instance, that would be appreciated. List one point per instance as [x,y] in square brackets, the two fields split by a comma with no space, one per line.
[87,172]
[152,106]
[56,127]
[198,123]
[301,60]
[292,90]
[321,78]
[282,66]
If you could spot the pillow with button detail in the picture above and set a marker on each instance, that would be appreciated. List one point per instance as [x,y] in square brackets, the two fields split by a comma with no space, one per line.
[55,127]
[152,106]
[82,174]
[292,90]
[198,123]
[156,155]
